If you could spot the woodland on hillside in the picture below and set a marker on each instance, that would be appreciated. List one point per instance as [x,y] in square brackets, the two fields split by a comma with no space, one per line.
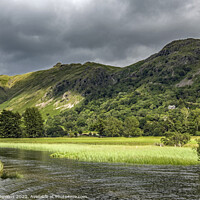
[154,97]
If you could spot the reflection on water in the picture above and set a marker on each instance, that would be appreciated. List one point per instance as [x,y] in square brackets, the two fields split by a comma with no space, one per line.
[49,176]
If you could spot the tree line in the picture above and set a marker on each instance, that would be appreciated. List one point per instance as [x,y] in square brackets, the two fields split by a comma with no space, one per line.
[14,125]
[177,125]
[179,120]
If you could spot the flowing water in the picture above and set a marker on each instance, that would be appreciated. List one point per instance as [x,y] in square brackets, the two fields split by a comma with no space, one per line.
[50,178]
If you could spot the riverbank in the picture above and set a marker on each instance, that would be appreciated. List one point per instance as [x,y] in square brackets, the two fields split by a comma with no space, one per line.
[109,150]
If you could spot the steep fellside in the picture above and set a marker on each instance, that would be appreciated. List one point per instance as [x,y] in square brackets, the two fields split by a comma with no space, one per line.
[176,68]
[56,89]
[177,61]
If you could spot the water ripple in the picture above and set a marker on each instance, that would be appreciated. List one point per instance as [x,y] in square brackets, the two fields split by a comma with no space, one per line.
[47,176]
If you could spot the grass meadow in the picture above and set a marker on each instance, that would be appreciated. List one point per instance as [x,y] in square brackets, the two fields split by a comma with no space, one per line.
[141,150]
[86,140]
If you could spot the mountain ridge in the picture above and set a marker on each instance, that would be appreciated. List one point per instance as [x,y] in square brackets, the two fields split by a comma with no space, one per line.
[175,67]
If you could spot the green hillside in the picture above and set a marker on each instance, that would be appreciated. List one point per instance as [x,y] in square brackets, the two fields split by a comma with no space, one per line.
[53,90]
[77,95]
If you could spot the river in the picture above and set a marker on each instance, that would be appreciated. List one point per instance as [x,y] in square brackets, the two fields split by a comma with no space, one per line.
[50,178]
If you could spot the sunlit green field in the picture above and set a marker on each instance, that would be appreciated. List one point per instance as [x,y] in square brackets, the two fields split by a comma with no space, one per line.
[87,140]
[141,150]
[150,140]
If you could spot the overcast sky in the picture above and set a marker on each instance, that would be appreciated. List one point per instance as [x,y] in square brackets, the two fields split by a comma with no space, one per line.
[37,34]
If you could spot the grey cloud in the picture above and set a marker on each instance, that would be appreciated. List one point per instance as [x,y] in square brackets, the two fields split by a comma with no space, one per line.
[35,35]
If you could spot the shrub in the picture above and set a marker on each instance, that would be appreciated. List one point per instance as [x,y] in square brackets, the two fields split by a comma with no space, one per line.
[175,139]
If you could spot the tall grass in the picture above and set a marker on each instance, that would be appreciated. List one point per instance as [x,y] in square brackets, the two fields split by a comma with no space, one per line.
[1,166]
[14,175]
[115,153]
[5,175]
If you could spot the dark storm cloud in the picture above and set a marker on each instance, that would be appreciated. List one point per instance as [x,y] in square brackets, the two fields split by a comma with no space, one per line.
[37,34]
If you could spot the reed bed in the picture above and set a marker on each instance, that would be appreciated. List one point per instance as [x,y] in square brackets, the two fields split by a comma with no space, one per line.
[127,154]
[1,167]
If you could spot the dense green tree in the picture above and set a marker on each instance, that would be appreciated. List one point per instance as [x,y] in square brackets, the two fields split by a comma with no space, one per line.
[177,121]
[131,127]
[195,119]
[70,126]
[10,123]
[113,127]
[81,122]
[110,127]
[154,128]
[100,127]
[55,131]
[33,122]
